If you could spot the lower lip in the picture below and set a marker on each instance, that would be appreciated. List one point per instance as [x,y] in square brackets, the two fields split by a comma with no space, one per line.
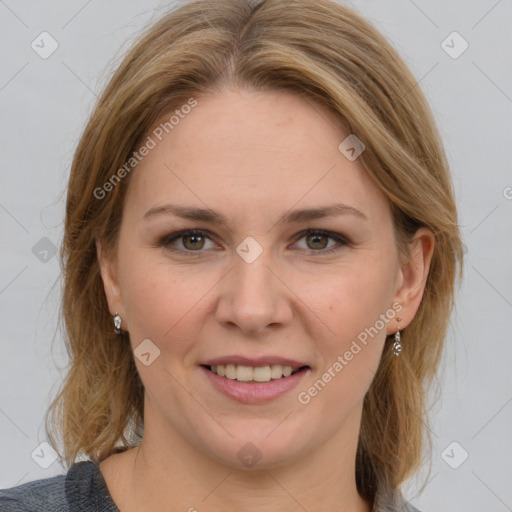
[254,392]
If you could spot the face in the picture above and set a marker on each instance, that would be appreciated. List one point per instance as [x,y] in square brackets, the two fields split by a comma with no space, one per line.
[292,262]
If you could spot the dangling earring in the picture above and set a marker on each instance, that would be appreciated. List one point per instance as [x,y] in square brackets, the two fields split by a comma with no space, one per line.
[397,346]
[117,323]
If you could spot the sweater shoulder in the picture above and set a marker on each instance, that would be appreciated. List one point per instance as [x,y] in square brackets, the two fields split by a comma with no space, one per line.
[82,489]
[39,495]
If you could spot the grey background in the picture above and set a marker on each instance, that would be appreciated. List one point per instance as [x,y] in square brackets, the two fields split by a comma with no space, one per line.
[45,104]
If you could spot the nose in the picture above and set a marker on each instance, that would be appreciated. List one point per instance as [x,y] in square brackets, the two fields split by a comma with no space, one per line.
[253,298]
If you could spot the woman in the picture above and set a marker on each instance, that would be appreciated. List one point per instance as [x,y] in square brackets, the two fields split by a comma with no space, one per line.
[260,253]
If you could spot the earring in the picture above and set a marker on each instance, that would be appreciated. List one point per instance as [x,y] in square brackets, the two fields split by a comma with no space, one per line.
[397,346]
[117,323]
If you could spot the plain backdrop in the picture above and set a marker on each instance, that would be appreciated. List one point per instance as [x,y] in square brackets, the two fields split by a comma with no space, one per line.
[45,103]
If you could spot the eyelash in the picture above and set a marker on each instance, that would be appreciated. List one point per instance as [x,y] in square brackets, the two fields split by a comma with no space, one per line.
[167,240]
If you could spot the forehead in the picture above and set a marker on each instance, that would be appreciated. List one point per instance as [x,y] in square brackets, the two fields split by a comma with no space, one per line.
[250,149]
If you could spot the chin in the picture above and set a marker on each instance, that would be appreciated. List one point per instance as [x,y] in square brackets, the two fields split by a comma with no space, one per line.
[256,447]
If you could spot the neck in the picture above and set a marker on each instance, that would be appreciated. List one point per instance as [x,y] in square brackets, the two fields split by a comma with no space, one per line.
[174,475]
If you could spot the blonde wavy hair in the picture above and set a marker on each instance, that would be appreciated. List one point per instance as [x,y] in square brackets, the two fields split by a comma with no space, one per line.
[332,56]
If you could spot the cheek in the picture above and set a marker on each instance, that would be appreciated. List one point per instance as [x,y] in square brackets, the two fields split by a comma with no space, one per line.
[352,298]
[354,306]
[163,302]
[351,305]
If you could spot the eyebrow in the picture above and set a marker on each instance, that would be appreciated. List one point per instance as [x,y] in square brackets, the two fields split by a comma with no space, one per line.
[295,216]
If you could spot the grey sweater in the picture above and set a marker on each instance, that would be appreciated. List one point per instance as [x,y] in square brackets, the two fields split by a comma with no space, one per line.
[83,489]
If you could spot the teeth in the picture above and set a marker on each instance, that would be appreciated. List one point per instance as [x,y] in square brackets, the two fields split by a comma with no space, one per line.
[276,371]
[262,373]
[244,373]
[231,371]
[287,371]
[252,374]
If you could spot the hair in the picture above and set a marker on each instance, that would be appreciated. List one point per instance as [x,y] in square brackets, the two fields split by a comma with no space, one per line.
[332,56]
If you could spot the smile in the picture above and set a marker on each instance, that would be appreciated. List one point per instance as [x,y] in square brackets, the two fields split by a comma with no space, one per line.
[243,373]
[253,384]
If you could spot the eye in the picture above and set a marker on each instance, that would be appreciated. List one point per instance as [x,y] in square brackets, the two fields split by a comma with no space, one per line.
[192,240]
[196,240]
[320,241]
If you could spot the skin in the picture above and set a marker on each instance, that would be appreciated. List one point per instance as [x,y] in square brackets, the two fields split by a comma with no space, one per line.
[253,157]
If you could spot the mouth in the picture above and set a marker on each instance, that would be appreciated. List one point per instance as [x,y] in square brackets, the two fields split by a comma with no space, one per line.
[254,374]
[253,385]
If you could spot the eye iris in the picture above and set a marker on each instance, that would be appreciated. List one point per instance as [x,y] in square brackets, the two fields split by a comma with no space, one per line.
[317,241]
[193,242]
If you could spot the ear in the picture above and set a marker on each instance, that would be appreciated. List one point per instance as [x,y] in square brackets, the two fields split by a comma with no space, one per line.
[108,268]
[413,276]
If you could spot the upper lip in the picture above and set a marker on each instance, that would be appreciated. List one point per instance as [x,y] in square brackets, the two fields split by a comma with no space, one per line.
[257,361]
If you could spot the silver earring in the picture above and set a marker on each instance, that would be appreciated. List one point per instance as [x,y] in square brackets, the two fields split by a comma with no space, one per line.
[117,323]
[397,346]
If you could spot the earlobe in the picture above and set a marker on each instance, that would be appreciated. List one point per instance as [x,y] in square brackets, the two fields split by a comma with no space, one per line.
[414,274]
